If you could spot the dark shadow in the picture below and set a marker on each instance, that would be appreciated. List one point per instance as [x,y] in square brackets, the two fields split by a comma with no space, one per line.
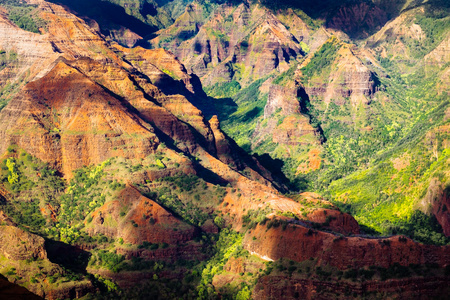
[67,256]
[358,19]
[242,158]
[162,2]
[108,15]
[273,165]
[366,230]
[298,184]
[198,48]
[9,290]
[224,107]
[186,34]
[305,105]
[148,9]
[170,86]
[377,82]
[197,85]
[209,176]
[344,15]
[250,115]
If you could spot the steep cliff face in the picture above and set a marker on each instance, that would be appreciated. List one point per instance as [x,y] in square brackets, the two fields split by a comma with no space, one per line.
[297,26]
[161,91]
[185,26]
[256,43]
[283,121]
[287,128]
[358,20]
[65,35]
[30,49]
[19,246]
[276,287]
[223,144]
[283,98]
[441,212]
[343,77]
[71,122]
[86,99]
[300,243]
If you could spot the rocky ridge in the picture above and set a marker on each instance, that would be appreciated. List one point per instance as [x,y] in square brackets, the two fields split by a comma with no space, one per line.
[99,100]
[256,44]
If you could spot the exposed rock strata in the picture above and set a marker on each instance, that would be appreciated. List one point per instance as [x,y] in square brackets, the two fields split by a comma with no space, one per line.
[17,244]
[283,104]
[71,122]
[348,79]
[300,243]
[255,39]
[441,54]
[280,287]
[144,220]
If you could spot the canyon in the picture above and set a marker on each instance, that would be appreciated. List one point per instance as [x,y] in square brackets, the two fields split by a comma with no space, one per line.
[210,149]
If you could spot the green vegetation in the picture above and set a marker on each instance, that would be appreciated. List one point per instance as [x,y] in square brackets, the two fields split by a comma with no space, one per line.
[187,196]
[34,187]
[322,60]
[381,161]
[228,246]
[376,158]
[222,90]
[422,228]
[240,117]
[287,76]
[24,15]
[7,58]
[435,23]
[109,260]
[398,179]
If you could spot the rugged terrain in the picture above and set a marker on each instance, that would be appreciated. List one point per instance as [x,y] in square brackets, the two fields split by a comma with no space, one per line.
[238,150]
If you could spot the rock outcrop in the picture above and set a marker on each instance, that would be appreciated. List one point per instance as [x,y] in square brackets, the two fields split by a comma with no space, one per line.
[254,197]
[299,243]
[18,244]
[284,122]
[358,20]
[283,98]
[256,43]
[348,78]
[77,105]
[136,219]
[280,287]
[66,35]
[440,210]
[71,122]
[440,55]
[86,99]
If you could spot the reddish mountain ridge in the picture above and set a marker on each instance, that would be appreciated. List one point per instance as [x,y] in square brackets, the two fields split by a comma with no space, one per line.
[85,100]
